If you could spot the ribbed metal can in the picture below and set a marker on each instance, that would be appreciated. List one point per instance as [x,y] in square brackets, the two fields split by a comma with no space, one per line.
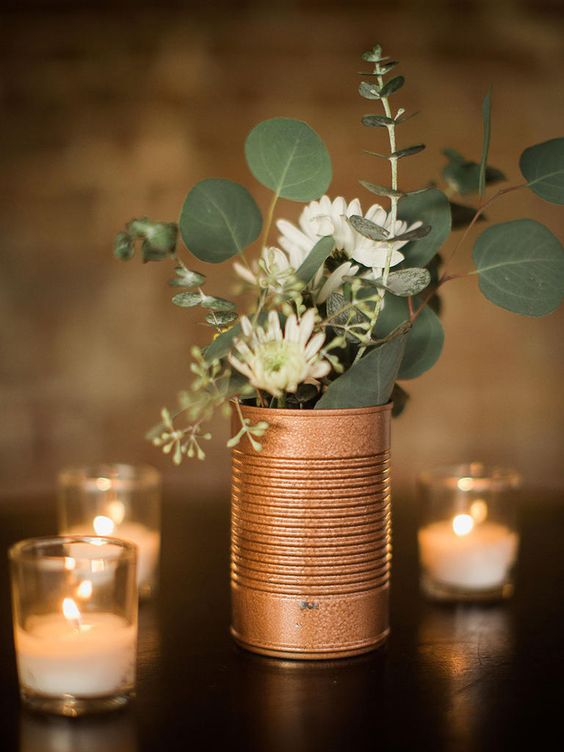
[311,533]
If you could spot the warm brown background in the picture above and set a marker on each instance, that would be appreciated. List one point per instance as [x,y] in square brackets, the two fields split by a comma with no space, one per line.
[113,110]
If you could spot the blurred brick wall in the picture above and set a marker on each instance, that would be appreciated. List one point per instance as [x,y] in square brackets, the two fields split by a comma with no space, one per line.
[115,110]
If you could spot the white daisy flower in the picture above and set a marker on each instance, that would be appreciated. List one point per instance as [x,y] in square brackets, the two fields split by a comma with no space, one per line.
[276,361]
[326,217]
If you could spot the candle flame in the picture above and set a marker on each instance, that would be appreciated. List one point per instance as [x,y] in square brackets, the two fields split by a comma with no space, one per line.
[103,525]
[462,524]
[465,484]
[103,484]
[71,612]
[84,590]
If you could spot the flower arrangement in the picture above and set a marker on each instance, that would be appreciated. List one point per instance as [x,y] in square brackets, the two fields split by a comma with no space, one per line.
[346,302]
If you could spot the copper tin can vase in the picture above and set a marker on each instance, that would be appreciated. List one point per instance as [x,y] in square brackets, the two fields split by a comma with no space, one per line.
[311,533]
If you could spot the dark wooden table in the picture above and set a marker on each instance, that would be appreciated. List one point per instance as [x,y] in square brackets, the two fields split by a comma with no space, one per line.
[450,678]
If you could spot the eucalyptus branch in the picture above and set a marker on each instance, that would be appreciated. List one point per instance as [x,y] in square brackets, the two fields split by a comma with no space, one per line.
[391,128]
[445,277]
[479,211]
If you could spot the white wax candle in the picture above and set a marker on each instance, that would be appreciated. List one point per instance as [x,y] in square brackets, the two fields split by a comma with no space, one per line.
[146,540]
[475,560]
[94,659]
[148,545]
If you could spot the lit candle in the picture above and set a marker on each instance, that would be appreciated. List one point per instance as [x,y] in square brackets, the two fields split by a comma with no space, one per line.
[73,653]
[463,554]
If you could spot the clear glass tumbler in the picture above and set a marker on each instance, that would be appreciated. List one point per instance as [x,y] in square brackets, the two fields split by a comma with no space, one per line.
[468,538]
[75,622]
[123,501]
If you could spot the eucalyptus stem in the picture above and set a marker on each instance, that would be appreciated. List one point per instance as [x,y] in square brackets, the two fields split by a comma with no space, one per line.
[268,222]
[391,128]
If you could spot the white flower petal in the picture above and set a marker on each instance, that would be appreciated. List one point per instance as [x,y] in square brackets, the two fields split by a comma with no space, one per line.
[245,273]
[335,280]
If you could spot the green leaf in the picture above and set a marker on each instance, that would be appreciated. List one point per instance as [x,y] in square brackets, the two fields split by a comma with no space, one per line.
[160,236]
[392,86]
[187,299]
[432,208]
[150,253]
[464,176]
[374,55]
[367,228]
[315,259]
[186,278]
[424,340]
[123,246]
[400,398]
[369,382]
[416,234]
[406,282]
[217,304]
[376,121]
[388,66]
[408,151]
[289,157]
[543,167]
[219,218]
[221,318]
[222,345]
[521,267]
[462,215]
[381,190]
[368,90]
[487,124]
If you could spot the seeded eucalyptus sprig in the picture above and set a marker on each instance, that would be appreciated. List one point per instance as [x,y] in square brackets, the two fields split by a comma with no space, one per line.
[159,242]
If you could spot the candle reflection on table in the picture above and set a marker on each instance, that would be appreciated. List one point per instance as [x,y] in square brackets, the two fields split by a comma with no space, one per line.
[109,733]
[462,652]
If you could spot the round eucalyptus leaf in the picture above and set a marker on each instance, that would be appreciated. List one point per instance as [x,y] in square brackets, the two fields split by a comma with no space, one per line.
[521,267]
[543,168]
[367,229]
[432,208]
[376,121]
[393,85]
[424,340]
[408,151]
[217,304]
[221,318]
[219,219]
[289,157]
[187,299]
[406,282]
[369,90]
[186,278]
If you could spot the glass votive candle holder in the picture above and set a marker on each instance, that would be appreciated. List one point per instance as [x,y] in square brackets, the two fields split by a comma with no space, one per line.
[75,622]
[468,539]
[123,501]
